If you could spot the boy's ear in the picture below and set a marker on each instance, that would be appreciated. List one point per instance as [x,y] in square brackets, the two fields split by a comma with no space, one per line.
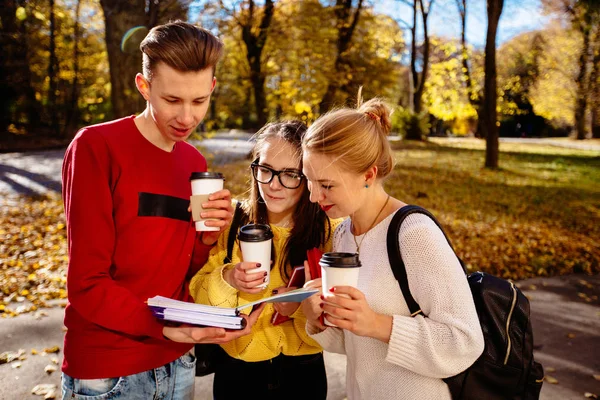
[214,83]
[143,86]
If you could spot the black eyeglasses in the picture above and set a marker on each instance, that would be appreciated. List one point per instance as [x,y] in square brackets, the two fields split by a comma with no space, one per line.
[289,178]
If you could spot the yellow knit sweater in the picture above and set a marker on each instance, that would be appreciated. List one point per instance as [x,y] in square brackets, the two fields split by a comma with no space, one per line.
[265,341]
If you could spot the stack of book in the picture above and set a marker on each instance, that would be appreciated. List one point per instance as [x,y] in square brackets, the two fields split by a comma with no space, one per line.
[222,317]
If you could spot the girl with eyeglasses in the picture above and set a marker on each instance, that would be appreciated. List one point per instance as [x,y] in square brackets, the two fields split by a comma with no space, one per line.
[274,361]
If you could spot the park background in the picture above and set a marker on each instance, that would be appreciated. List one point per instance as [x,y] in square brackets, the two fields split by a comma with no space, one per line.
[496,129]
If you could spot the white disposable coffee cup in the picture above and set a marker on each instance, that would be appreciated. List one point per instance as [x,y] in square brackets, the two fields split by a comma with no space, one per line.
[204,184]
[338,269]
[255,242]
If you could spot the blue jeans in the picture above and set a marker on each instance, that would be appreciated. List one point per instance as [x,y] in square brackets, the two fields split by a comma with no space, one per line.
[173,381]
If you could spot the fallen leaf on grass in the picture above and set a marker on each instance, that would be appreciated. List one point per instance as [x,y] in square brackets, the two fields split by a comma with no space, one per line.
[54,360]
[34,352]
[550,369]
[589,395]
[50,368]
[551,380]
[16,364]
[48,390]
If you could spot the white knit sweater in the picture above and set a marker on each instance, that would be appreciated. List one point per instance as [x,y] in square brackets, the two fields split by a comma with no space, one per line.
[421,350]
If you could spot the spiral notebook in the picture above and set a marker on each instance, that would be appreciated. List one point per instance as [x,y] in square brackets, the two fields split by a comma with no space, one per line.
[222,317]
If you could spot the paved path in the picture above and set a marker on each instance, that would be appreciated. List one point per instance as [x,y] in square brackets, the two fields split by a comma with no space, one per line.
[566,331]
[39,172]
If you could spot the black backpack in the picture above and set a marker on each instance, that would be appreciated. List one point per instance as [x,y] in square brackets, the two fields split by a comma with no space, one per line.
[209,354]
[505,369]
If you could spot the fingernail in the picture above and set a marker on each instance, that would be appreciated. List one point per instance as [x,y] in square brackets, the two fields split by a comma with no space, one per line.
[265,274]
[275,291]
[322,297]
[203,215]
[265,279]
[204,205]
[332,289]
[321,305]
[258,266]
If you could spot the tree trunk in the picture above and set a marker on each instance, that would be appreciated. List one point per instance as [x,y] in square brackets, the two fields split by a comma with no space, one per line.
[72,117]
[119,17]
[15,76]
[343,12]
[414,81]
[255,44]
[595,86]
[490,96]
[469,85]
[52,75]
[420,87]
[582,87]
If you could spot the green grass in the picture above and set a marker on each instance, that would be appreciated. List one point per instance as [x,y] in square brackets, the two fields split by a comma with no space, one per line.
[538,214]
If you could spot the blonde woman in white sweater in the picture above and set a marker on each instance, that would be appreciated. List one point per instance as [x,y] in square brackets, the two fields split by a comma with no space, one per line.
[390,355]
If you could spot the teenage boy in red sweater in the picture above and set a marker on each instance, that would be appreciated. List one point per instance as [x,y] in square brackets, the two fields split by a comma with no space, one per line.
[126,192]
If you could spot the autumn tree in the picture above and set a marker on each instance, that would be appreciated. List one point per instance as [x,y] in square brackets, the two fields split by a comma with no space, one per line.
[346,20]
[584,19]
[419,62]
[473,94]
[120,17]
[255,39]
[490,118]
[18,106]
[446,97]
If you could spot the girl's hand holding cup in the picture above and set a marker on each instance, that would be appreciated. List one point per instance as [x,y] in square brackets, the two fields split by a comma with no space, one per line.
[242,277]
[311,307]
[348,309]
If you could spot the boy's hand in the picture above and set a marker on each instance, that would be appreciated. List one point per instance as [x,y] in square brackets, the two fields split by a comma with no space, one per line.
[223,214]
[191,334]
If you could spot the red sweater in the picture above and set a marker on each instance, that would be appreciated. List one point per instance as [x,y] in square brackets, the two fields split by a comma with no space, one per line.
[130,238]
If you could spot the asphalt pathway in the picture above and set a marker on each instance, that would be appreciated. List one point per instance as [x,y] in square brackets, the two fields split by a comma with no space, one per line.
[564,312]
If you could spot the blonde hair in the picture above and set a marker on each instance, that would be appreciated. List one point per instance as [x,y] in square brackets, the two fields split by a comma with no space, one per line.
[356,137]
[182,46]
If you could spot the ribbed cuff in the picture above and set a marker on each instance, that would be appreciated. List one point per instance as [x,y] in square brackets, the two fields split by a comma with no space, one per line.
[221,291]
[403,347]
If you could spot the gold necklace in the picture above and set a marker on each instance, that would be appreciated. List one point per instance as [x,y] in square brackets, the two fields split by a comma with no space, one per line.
[371,227]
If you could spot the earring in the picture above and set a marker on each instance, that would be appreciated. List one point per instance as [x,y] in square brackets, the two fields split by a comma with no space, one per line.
[366,186]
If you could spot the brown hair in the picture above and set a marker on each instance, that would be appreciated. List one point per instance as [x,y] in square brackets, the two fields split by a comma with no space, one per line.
[181,46]
[357,137]
[312,227]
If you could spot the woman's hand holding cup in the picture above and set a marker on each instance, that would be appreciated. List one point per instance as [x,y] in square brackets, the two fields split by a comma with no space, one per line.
[311,307]
[240,278]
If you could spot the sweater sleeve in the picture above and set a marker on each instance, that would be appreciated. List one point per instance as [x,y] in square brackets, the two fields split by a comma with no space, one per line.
[87,196]
[331,339]
[449,339]
[199,257]
[208,285]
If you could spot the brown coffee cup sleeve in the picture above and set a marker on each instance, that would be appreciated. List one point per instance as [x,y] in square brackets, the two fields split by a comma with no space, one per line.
[196,201]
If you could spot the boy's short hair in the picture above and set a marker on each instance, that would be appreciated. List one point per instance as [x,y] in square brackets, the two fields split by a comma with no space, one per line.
[180,45]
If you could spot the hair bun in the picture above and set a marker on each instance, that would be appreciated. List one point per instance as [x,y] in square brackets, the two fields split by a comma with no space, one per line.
[378,111]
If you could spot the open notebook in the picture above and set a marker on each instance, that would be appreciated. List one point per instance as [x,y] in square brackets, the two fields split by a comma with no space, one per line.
[222,317]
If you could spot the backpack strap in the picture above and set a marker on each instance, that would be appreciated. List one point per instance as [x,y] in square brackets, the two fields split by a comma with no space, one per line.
[233,229]
[395,257]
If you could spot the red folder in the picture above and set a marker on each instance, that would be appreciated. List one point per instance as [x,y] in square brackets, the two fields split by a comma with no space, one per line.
[297,279]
